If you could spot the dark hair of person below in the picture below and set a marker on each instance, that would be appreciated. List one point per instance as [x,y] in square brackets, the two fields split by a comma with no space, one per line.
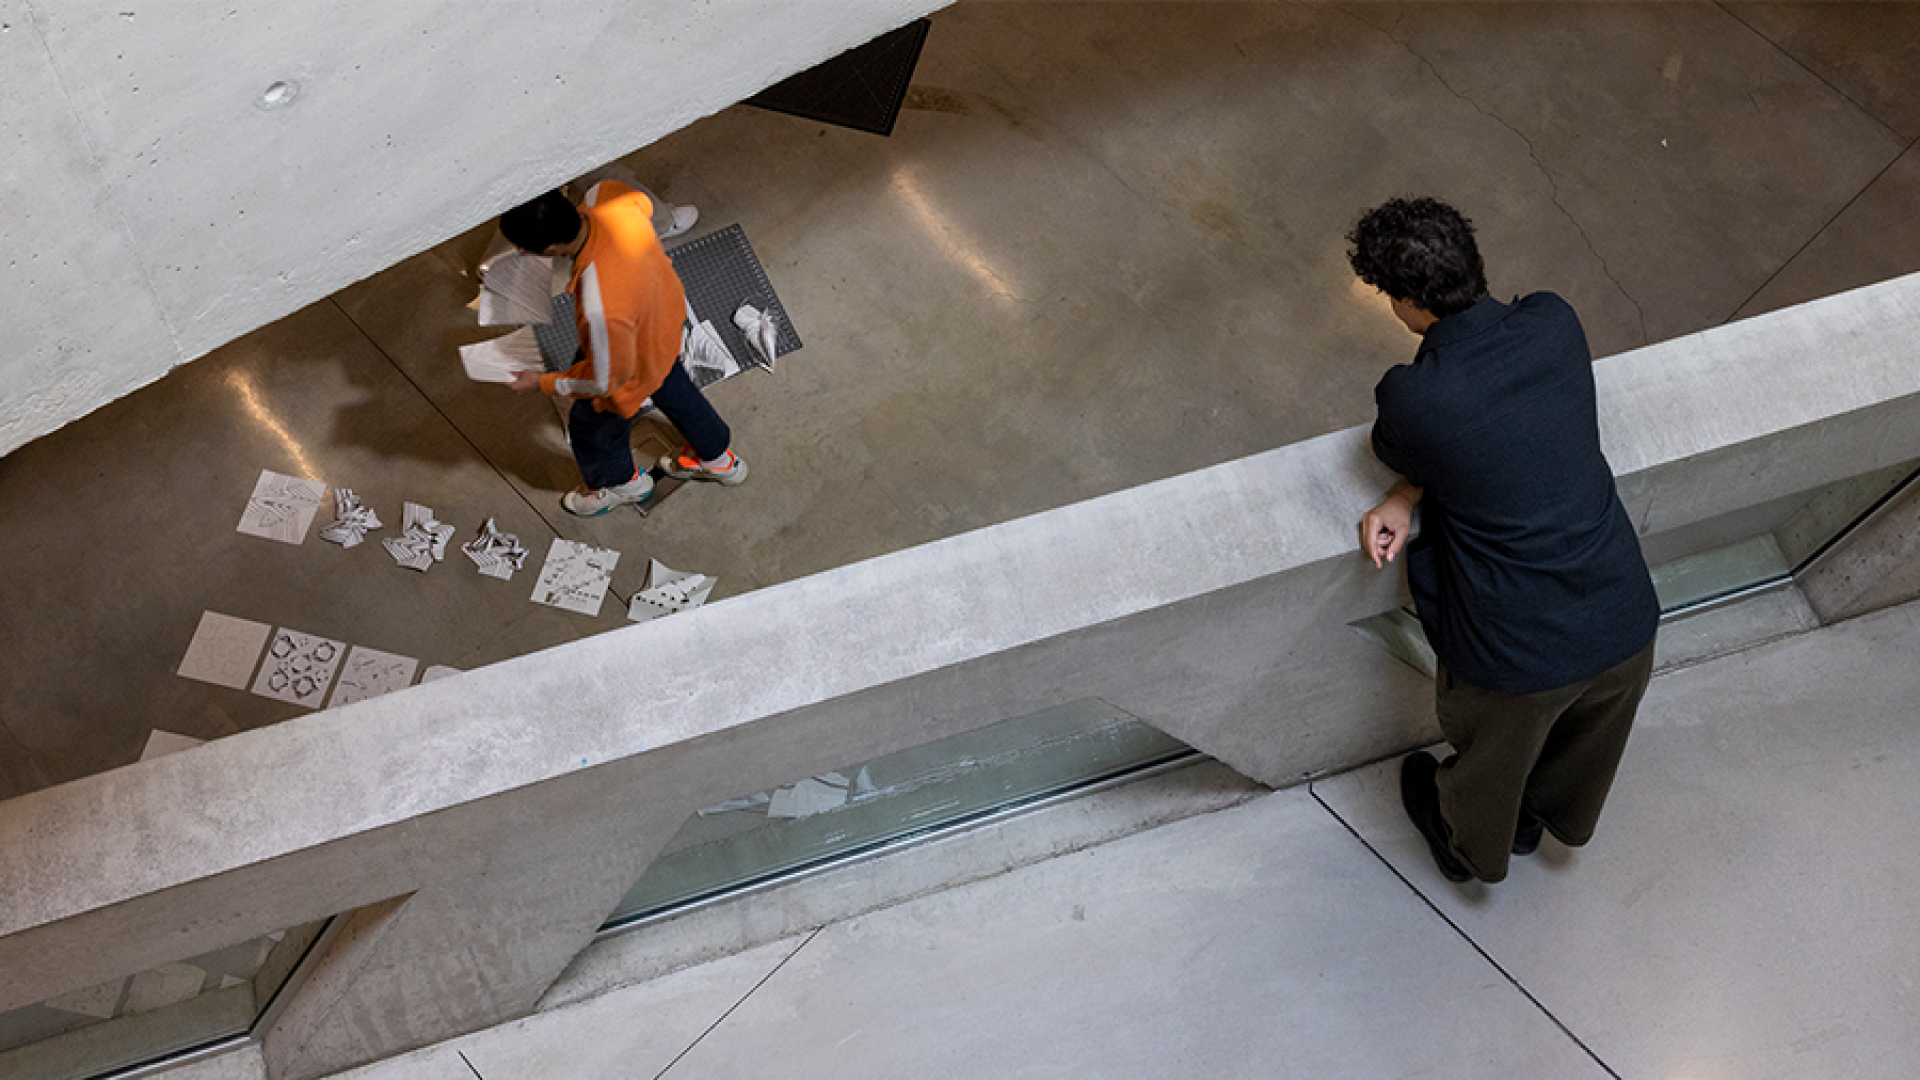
[1420,250]
[541,223]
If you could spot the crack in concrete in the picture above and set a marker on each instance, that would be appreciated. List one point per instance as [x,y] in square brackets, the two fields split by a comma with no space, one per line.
[1553,185]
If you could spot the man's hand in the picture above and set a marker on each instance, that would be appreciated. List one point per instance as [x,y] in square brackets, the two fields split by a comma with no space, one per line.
[1385,528]
[526,382]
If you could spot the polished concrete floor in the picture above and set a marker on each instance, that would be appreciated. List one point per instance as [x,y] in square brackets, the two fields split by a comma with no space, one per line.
[1746,912]
[1102,247]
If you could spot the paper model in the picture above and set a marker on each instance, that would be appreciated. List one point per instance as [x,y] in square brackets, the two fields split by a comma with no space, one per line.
[497,554]
[370,673]
[762,329]
[498,360]
[168,984]
[745,802]
[514,291]
[224,650]
[281,507]
[668,591]
[299,668]
[351,520]
[438,671]
[424,541]
[815,795]
[704,350]
[575,577]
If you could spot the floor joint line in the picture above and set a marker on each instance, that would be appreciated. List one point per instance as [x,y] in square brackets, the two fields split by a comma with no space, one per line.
[1464,936]
[743,1000]
[428,398]
[1822,230]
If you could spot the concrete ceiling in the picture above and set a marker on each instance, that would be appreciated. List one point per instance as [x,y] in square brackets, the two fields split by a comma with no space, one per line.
[177,174]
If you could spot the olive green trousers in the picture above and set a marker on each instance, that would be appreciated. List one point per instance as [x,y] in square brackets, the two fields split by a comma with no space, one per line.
[1554,752]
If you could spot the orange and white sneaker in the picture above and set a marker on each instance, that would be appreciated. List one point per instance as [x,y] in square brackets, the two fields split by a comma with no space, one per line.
[686,465]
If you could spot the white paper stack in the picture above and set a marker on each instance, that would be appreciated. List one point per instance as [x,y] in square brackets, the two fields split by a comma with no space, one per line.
[575,576]
[669,591]
[423,543]
[498,360]
[514,291]
[497,554]
[351,520]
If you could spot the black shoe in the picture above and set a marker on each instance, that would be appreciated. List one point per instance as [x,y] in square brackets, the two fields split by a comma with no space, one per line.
[1422,801]
[1527,832]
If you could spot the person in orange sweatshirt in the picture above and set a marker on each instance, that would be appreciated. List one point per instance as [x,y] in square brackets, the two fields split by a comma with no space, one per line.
[631,313]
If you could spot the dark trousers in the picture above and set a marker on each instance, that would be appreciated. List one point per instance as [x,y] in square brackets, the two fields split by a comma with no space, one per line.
[1554,752]
[603,442]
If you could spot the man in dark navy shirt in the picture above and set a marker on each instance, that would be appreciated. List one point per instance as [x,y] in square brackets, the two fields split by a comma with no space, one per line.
[1527,575]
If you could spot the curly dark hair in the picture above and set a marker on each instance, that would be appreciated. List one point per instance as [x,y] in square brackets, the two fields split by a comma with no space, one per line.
[1419,250]
[541,223]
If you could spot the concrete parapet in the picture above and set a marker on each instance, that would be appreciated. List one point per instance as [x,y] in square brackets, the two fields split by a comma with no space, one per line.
[483,826]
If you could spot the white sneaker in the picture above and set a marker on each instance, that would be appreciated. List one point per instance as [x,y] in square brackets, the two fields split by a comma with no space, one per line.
[684,218]
[686,466]
[587,502]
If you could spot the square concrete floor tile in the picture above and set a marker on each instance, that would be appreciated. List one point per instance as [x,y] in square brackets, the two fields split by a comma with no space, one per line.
[1261,941]
[1747,908]
[632,1032]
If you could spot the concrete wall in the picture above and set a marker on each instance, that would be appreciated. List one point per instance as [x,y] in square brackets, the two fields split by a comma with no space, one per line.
[483,825]
[159,203]
[1875,566]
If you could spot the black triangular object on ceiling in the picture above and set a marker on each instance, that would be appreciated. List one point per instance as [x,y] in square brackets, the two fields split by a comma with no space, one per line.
[861,88]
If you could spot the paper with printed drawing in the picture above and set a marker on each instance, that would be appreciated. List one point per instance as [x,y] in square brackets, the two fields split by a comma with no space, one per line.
[575,577]
[370,673]
[498,360]
[299,668]
[281,507]
[514,291]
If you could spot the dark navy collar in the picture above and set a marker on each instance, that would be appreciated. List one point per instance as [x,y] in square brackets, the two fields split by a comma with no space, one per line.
[1484,315]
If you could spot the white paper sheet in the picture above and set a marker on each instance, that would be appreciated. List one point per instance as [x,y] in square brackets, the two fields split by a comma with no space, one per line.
[514,291]
[281,507]
[161,743]
[224,650]
[668,591]
[498,360]
[370,673]
[299,668]
[575,577]
[438,671]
